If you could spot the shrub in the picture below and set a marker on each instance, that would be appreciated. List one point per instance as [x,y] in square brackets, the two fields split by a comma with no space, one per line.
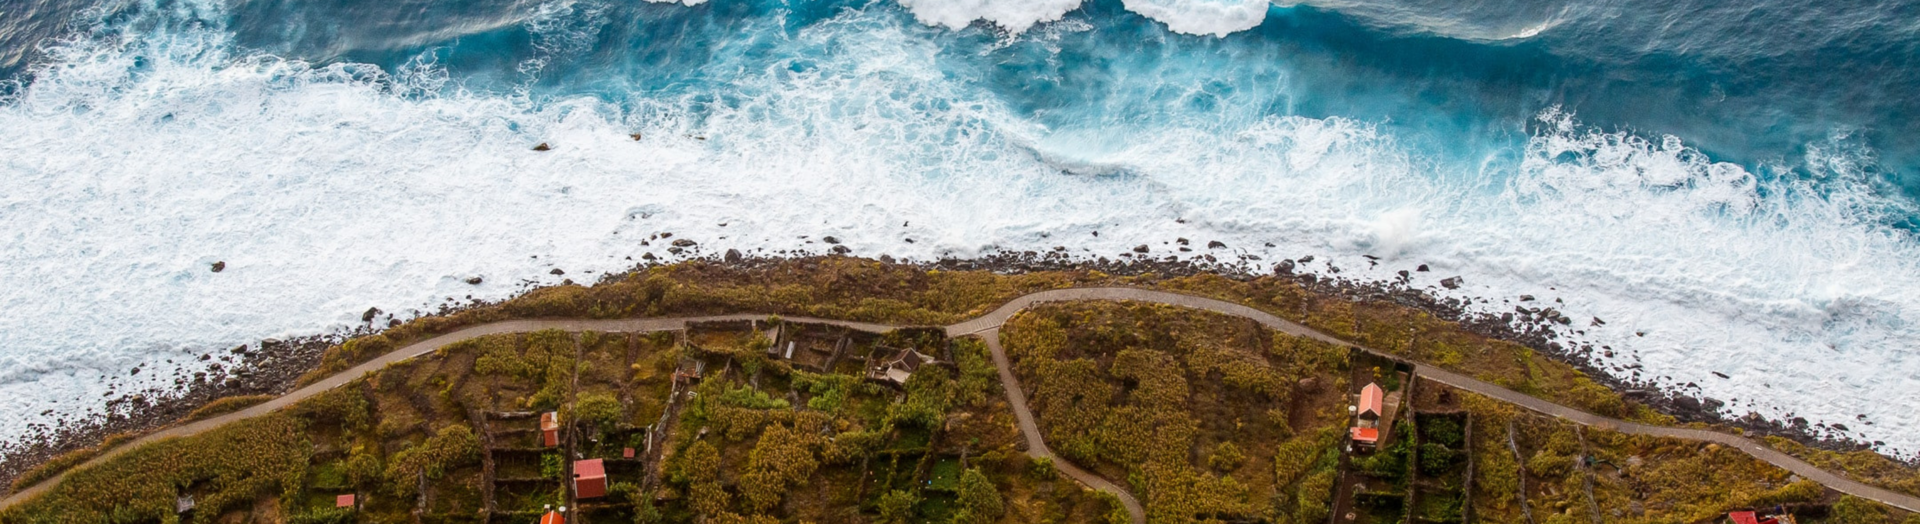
[600,409]
[1226,457]
[236,463]
[978,500]
[363,468]
[224,406]
[322,516]
[701,470]
[344,405]
[896,506]
[780,459]
[1856,510]
[68,460]
[1435,458]
[452,447]
[1442,430]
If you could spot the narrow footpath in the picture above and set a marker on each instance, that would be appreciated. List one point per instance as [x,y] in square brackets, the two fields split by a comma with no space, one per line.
[988,326]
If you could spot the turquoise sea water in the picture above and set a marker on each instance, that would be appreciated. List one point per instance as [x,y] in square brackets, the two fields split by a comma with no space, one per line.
[1731,188]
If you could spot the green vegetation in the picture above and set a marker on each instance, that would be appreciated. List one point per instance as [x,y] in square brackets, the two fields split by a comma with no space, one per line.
[1127,390]
[224,406]
[1204,417]
[223,469]
[1636,479]
[67,461]
[1863,465]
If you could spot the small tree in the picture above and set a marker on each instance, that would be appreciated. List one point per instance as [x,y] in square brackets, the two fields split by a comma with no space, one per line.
[702,469]
[896,506]
[1043,469]
[1226,457]
[979,500]
[599,409]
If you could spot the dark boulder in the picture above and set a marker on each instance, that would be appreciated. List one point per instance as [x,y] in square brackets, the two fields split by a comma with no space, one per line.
[219,266]
[1216,245]
[733,256]
[683,243]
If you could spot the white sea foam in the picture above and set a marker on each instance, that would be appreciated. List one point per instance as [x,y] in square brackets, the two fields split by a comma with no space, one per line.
[1194,17]
[132,164]
[1203,17]
[1016,16]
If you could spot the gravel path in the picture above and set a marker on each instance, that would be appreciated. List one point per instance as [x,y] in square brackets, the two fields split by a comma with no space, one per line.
[988,326]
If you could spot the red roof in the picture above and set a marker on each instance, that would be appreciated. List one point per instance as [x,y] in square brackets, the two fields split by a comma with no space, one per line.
[550,429]
[552,517]
[1367,435]
[1743,517]
[343,501]
[626,452]
[589,468]
[1370,399]
[589,478]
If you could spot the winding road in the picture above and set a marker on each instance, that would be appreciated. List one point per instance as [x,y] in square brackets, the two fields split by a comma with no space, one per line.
[987,326]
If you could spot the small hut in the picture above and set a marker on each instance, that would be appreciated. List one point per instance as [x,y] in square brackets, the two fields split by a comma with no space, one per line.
[550,429]
[589,478]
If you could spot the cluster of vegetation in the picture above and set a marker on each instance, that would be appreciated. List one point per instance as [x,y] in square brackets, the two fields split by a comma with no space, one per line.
[1442,457]
[1204,416]
[1137,391]
[743,453]
[1635,479]
[224,406]
[830,287]
[222,469]
[67,461]
[1863,465]
[1417,335]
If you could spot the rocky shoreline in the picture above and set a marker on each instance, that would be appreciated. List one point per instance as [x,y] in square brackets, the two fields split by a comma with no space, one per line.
[271,367]
[267,367]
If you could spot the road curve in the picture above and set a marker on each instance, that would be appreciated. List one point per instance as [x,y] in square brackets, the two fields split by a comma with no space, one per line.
[1037,446]
[988,326]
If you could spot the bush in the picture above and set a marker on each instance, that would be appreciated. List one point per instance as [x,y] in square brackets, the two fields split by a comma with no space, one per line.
[225,405]
[1443,430]
[1856,510]
[322,516]
[896,506]
[452,447]
[979,501]
[599,409]
[237,463]
[1435,459]
[68,460]
[701,470]
[780,459]
[1226,457]
[1043,469]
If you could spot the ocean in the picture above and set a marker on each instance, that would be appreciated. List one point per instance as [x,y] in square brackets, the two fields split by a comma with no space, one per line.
[1710,189]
